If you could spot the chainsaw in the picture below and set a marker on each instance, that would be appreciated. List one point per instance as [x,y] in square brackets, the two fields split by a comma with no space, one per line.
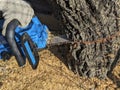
[30,42]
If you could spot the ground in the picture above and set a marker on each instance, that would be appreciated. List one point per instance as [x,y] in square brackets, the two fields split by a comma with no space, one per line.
[51,74]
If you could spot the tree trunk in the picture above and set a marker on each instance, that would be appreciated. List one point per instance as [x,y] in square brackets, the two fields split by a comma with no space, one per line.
[94,26]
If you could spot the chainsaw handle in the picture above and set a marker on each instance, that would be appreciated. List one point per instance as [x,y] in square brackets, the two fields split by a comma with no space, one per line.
[10,36]
[30,50]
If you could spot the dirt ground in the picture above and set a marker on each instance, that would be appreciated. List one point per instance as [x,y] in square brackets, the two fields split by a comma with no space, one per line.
[51,74]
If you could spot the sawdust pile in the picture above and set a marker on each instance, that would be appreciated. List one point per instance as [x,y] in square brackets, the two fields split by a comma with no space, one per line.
[51,74]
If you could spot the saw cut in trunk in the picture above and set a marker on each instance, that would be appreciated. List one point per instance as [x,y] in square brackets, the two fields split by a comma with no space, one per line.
[94,27]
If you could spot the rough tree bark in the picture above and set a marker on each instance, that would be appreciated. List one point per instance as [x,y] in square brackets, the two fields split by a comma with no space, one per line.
[94,26]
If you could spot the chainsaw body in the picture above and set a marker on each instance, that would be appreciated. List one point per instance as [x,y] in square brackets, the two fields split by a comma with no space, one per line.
[29,39]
